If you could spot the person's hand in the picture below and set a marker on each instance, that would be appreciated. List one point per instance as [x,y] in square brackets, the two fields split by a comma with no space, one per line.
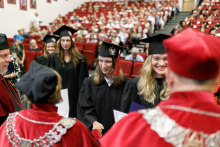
[6,76]
[99,126]
[20,62]
[22,65]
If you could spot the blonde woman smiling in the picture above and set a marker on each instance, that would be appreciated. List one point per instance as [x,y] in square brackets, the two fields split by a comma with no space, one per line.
[151,87]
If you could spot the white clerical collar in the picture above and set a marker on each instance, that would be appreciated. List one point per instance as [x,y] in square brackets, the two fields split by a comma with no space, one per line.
[108,82]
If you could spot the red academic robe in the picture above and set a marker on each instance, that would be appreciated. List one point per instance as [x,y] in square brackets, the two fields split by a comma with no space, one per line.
[9,99]
[135,130]
[77,136]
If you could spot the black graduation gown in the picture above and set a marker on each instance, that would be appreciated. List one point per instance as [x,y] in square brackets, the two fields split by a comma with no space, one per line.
[130,94]
[9,100]
[96,103]
[41,60]
[72,78]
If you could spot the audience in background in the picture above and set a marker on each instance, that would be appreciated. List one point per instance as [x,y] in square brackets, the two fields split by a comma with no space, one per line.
[31,32]
[204,18]
[17,50]
[33,46]
[20,32]
[91,39]
[35,21]
[146,47]
[134,55]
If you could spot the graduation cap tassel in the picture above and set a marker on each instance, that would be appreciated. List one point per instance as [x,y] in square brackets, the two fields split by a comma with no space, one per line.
[116,71]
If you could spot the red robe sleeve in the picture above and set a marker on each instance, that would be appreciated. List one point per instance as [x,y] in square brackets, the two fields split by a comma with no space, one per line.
[6,103]
[80,136]
[133,130]
[96,134]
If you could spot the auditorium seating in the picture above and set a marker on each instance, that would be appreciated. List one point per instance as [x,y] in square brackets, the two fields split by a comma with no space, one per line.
[39,53]
[89,55]
[26,46]
[136,69]
[91,47]
[80,46]
[10,40]
[197,24]
[29,57]
[126,66]
[143,55]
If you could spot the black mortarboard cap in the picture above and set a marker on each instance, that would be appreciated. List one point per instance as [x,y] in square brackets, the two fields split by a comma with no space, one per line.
[50,38]
[108,49]
[3,42]
[156,45]
[38,83]
[65,31]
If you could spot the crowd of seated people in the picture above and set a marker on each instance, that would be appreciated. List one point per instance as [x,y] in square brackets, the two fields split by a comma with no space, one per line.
[121,22]
[204,18]
[115,19]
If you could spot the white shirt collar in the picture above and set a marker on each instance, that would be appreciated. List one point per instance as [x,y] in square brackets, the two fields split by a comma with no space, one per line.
[108,82]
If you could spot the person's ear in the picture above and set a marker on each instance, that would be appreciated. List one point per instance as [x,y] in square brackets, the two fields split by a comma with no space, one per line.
[169,76]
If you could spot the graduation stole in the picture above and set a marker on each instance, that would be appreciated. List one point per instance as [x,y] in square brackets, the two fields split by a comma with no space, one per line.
[177,135]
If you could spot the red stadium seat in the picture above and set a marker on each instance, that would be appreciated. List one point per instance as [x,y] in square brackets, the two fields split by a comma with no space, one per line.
[26,46]
[89,55]
[143,55]
[10,44]
[39,53]
[85,39]
[108,40]
[91,47]
[32,37]
[80,45]
[10,40]
[26,40]
[29,57]
[136,69]
[41,46]
[37,38]
[207,31]
[126,66]
[44,27]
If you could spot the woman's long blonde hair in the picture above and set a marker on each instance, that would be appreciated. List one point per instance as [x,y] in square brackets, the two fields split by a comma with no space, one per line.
[148,84]
[99,76]
[73,52]
[46,54]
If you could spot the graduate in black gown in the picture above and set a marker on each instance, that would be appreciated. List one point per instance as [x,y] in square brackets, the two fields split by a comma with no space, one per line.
[102,93]
[70,64]
[151,86]
[9,100]
[50,47]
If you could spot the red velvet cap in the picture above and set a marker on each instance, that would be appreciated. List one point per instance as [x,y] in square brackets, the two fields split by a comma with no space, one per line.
[193,54]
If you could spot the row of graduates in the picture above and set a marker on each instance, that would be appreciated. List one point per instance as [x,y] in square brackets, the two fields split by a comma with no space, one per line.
[94,99]
[99,94]
[190,99]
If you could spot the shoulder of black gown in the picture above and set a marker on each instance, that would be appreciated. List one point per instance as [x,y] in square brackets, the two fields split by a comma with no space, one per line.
[85,108]
[130,93]
[39,58]
[125,78]
[52,59]
[83,71]
[82,56]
